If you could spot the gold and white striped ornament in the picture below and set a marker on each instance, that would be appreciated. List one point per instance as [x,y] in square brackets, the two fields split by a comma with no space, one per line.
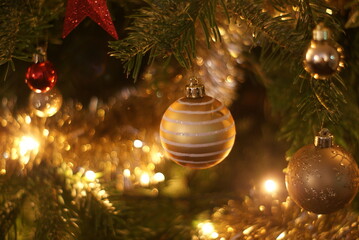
[197,131]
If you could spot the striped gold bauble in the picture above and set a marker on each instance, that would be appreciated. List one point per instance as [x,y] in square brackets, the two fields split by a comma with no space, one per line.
[197,131]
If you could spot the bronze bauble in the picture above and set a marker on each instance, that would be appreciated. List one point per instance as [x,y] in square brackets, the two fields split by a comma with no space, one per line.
[197,132]
[322,180]
[323,59]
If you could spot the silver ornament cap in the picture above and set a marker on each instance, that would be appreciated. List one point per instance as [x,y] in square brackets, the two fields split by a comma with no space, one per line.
[195,89]
[324,139]
[321,33]
[40,55]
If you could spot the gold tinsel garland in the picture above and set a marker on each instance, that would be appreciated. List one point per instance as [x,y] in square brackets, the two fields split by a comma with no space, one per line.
[267,217]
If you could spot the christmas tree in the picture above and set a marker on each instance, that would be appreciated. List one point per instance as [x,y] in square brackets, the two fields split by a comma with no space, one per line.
[94,117]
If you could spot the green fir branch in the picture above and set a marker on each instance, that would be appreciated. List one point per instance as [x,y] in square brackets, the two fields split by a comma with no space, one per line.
[166,28]
[283,31]
[9,212]
[54,219]
[24,25]
[282,28]
[65,207]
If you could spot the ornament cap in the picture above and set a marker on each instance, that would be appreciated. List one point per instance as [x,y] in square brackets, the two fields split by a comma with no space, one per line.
[321,32]
[195,89]
[324,139]
[40,55]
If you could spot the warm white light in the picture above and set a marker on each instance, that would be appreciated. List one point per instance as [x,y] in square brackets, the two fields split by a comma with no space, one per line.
[27,144]
[270,186]
[214,235]
[146,149]
[52,110]
[27,119]
[102,193]
[137,143]
[207,228]
[145,179]
[248,230]
[90,175]
[127,173]
[329,11]
[159,177]
[281,236]
[45,132]
[79,185]
[157,157]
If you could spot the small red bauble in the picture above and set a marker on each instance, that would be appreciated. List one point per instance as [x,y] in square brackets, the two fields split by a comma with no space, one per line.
[41,77]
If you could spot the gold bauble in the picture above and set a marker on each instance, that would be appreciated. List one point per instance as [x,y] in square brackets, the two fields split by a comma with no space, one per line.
[322,179]
[46,104]
[197,132]
[324,57]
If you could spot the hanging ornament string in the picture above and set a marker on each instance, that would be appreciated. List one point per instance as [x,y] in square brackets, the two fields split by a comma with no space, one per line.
[78,10]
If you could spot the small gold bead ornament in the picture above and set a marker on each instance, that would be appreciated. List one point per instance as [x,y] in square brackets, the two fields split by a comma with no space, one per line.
[324,57]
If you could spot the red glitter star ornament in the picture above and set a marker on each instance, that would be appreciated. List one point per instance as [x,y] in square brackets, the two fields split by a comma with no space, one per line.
[97,10]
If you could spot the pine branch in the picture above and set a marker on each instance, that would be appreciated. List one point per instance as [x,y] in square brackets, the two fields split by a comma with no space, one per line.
[24,25]
[283,32]
[163,29]
[97,220]
[282,28]
[86,208]
[55,220]
[9,211]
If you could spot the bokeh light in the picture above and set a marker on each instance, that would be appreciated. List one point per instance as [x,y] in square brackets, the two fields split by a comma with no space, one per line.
[270,186]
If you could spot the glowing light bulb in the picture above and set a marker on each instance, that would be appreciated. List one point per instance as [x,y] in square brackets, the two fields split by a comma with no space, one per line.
[207,228]
[27,145]
[27,119]
[102,193]
[137,143]
[270,186]
[248,230]
[214,235]
[145,179]
[159,177]
[146,149]
[329,11]
[281,236]
[90,176]
[45,132]
[157,157]
[127,173]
